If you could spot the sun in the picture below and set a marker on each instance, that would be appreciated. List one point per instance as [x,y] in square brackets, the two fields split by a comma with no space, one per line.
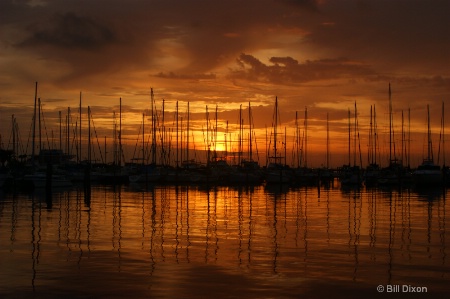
[220,147]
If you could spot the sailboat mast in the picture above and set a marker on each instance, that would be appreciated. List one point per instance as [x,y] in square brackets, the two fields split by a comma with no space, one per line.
[429,134]
[226,141]
[370,151]
[13,127]
[297,143]
[120,132]
[143,139]
[306,137]
[153,127]
[40,132]
[79,155]
[443,135]
[250,132]
[354,141]
[402,150]
[68,130]
[267,150]
[215,135]
[285,147]
[34,125]
[60,131]
[89,134]
[207,137]
[163,132]
[390,124]
[176,117]
[240,135]
[115,162]
[409,137]
[275,128]
[181,139]
[349,139]
[328,143]
[375,136]
[106,152]
[187,136]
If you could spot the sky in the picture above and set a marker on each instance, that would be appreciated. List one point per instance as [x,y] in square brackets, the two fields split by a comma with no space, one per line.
[317,55]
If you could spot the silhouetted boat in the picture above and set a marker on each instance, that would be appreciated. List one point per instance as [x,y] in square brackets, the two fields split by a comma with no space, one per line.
[395,173]
[145,173]
[249,173]
[348,174]
[43,180]
[372,171]
[276,172]
[5,178]
[302,174]
[428,173]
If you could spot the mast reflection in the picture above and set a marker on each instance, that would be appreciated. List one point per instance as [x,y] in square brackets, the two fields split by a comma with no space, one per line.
[167,232]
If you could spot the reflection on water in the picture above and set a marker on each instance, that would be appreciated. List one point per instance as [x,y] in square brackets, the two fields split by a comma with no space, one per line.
[258,242]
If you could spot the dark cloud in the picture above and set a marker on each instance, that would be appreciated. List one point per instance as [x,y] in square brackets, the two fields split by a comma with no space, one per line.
[99,37]
[95,37]
[309,4]
[286,70]
[287,61]
[70,31]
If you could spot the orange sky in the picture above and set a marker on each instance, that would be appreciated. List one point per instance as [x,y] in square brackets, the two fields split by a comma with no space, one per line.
[323,55]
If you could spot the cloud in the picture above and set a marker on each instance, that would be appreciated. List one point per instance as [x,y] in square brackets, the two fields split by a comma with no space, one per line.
[399,36]
[96,38]
[305,52]
[287,70]
[308,4]
[172,75]
[70,31]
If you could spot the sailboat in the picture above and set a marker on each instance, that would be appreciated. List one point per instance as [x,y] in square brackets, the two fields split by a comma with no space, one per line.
[248,171]
[445,168]
[114,174]
[303,174]
[276,171]
[6,177]
[43,174]
[395,172]
[326,175]
[428,173]
[148,172]
[372,171]
[190,171]
[351,175]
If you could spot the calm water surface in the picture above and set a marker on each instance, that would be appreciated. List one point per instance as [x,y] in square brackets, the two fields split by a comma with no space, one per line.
[193,242]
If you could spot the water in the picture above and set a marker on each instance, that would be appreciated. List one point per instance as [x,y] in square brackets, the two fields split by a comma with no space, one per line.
[193,242]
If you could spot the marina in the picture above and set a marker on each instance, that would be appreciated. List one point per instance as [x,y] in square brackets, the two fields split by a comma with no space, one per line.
[157,158]
[224,149]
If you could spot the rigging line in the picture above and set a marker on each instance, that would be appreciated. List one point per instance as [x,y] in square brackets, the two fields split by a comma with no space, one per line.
[45,126]
[359,145]
[440,140]
[137,141]
[98,143]
[24,150]
[74,138]
[29,136]
[19,137]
